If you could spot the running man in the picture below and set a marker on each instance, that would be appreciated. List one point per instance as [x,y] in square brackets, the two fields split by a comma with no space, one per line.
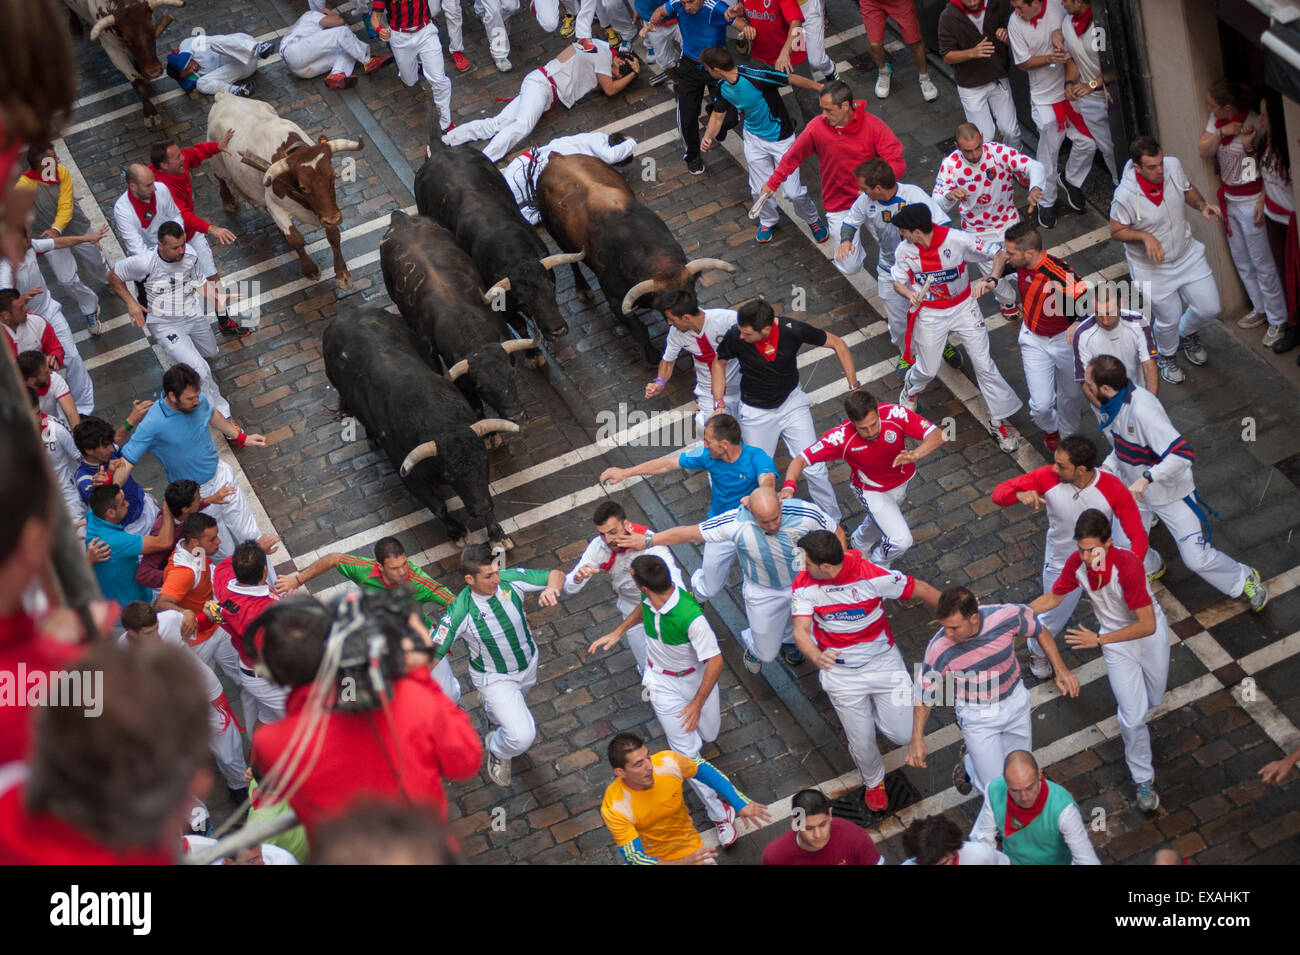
[1037,821]
[698,332]
[1118,332]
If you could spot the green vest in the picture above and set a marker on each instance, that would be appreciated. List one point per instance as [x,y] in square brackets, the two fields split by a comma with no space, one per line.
[1039,843]
[670,628]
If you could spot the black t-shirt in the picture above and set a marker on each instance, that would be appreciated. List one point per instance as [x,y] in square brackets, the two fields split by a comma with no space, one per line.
[763,383]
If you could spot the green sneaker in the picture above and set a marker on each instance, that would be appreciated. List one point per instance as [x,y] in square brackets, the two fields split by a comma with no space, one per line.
[1255,591]
[903,364]
[951,355]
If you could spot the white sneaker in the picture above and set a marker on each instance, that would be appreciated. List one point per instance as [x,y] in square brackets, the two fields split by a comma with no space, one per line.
[1273,334]
[1005,433]
[727,834]
[1251,320]
[503,64]
[1040,667]
[498,769]
[907,401]
[928,90]
[882,81]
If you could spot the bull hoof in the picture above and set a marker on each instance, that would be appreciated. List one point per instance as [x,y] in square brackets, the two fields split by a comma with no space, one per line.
[153,122]
[343,281]
[461,540]
[229,208]
[534,360]
[504,544]
[492,441]
[586,297]
[311,274]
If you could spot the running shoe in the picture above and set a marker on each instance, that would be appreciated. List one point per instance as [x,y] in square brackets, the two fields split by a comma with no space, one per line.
[791,654]
[1148,799]
[566,25]
[1272,336]
[1193,350]
[902,364]
[1170,370]
[752,663]
[929,92]
[883,79]
[1073,194]
[764,234]
[337,81]
[960,778]
[498,769]
[586,44]
[460,59]
[819,231]
[951,355]
[613,37]
[376,63]
[727,834]
[876,798]
[1158,572]
[1046,217]
[1052,439]
[1251,320]
[1255,591]
[1005,433]
[696,166]
[1040,667]
[264,49]
[503,64]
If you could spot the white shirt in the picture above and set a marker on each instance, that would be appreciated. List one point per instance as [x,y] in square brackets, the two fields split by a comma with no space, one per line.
[136,236]
[990,184]
[64,458]
[944,262]
[271,855]
[1082,52]
[575,77]
[1232,159]
[702,348]
[1070,823]
[29,277]
[1167,221]
[49,401]
[976,853]
[702,644]
[598,554]
[769,560]
[1131,341]
[169,630]
[583,144]
[29,335]
[174,288]
[1277,192]
[876,216]
[305,26]
[1142,428]
[1046,84]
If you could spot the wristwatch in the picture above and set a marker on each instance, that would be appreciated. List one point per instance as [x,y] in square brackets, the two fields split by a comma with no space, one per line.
[1149,478]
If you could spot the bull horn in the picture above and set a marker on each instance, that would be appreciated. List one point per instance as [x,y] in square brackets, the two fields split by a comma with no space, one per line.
[344,145]
[277,168]
[102,24]
[562,258]
[636,291]
[489,425]
[455,371]
[696,266]
[155,4]
[500,287]
[518,344]
[418,453]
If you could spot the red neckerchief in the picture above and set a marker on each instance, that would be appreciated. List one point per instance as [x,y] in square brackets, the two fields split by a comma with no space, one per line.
[767,347]
[956,856]
[1224,139]
[144,212]
[615,551]
[1067,114]
[853,125]
[35,176]
[1155,193]
[970,13]
[1034,21]
[1082,21]
[1018,818]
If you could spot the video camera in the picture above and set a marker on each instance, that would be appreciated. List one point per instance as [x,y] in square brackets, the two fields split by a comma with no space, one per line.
[371,626]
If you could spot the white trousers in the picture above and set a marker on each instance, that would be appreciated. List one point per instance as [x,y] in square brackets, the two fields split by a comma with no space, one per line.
[1216,568]
[234,518]
[1186,280]
[884,530]
[870,699]
[261,700]
[761,157]
[190,341]
[226,743]
[895,309]
[325,52]
[219,655]
[770,625]
[635,636]
[203,251]
[704,407]
[446,679]
[852,264]
[547,13]
[504,704]
[512,124]
[1095,113]
[1049,149]
[64,264]
[792,423]
[1055,398]
[1138,671]
[74,369]
[714,568]
[668,697]
[1054,620]
[618,14]
[238,52]
[814,36]
[418,52]
[964,322]
[494,23]
[1253,257]
[454,20]
[990,107]
[991,732]
[586,17]
[667,44]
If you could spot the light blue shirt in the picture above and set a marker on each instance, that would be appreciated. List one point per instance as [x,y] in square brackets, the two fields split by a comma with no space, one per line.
[731,480]
[769,560]
[182,442]
[116,575]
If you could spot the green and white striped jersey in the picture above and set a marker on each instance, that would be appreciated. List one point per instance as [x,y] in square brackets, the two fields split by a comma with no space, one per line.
[494,628]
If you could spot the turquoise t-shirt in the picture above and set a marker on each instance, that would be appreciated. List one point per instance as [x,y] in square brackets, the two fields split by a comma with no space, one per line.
[732,480]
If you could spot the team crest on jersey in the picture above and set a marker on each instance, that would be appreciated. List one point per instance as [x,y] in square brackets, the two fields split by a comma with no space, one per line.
[947,253]
[990,174]
[890,437]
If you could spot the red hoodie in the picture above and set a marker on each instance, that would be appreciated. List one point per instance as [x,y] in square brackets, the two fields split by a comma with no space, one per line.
[839,152]
[182,186]
[41,839]
[21,643]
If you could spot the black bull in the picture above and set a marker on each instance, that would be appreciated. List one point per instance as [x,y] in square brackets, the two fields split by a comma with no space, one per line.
[588,207]
[435,286]
[460,188]
[420,419]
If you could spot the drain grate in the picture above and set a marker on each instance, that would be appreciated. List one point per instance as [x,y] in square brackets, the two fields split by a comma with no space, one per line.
[898,787]
[946,146]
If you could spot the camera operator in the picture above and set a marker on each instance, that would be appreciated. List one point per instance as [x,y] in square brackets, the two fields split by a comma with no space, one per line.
[397,753]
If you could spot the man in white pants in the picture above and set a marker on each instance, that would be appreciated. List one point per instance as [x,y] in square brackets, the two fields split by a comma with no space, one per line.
[212,64]
[763,530]
[322,44]
[1132,634]
[1083,84]
[1038,48]
[973,41]
[883,196]
[772,405]
[1118,332]
[177,289]
[812,38]
[607,553]
[177,429]
[1065,489]
[141,624]
[970,665]
[1147,214]
[872,440]
[564,80]
[768,131]
[682,669]
[1153,459]
[522,172]
[930,269]
[28,281]
[489,616]
[697,332]
[493,15]
[839,624]
[412,36]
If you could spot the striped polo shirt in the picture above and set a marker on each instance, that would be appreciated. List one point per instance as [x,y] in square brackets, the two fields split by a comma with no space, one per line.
[494,628]
[769,560]
[985,666]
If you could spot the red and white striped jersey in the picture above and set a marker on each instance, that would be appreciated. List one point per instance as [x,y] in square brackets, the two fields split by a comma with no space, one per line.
[848,611]
[943,263]
[702,348]
[873,461]
[990,184]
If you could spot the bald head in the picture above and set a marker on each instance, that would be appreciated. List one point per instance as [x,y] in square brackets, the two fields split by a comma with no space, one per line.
[139,180]
[1167,856]
[765,505]
[1023,782]
[970,141]
[968,131]
[1020,758]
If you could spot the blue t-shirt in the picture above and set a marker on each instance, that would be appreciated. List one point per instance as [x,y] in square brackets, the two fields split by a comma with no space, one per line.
[131,490]
[731,480]
[699,30]
[182,442]
[748,96]
[116,575]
